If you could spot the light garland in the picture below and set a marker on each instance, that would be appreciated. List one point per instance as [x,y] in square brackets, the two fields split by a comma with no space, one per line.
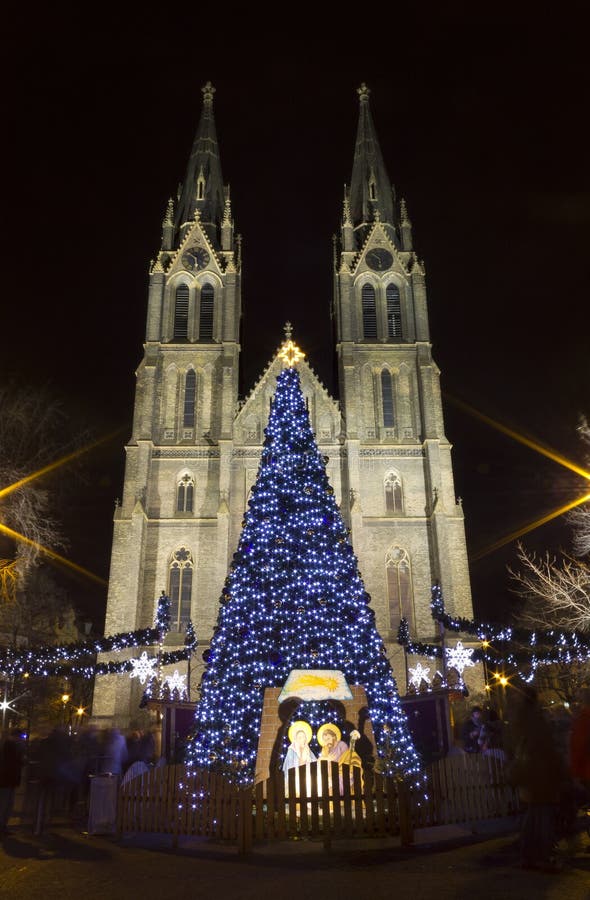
[66,660]
[500,645]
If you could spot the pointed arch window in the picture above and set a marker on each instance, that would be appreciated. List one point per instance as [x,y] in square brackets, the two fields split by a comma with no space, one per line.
[180,586]
[394,313]
[399,587]
[387,399]
[369,307]
[206,313]
[185,492]
[190,392]
[181,313]
[393,493]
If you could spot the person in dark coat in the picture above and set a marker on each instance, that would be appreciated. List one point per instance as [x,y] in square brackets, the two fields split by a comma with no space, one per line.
[539,772]
[471,733]
[11,764]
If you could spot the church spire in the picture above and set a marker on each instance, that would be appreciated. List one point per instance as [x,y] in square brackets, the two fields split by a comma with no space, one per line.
[371,194]
[202,188]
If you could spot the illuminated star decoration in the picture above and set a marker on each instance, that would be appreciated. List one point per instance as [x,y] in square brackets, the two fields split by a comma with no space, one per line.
[459,657]
[176,683]
[143,668]
[419,674]
[290,352]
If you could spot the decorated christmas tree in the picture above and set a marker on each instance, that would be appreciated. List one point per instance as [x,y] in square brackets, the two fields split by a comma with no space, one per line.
[293,599]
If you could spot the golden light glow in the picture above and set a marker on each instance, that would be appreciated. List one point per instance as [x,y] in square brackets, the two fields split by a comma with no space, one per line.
[52,554]
[538,448]
[39,474]
[58,462]
[291,354]
[65,698]
[528,442]
[503,680]
[80,711]
[485,644]
[514,535]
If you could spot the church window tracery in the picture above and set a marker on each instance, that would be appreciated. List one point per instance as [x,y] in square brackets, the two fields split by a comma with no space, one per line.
[206,311]
[394,312]
[387,399]
[190,393]
[185,492]
[180,585]
[394,502]
[181,313]
[369,308]
[399,587]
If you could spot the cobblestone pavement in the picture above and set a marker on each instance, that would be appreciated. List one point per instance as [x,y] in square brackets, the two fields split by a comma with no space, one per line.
[65,863]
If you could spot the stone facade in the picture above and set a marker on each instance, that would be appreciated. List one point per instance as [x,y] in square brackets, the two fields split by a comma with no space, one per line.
[194,450]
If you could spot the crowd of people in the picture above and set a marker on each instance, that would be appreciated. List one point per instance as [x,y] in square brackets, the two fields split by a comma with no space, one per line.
[61,764]
[547,760]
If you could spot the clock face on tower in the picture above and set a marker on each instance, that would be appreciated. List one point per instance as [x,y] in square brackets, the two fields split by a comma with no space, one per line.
[379,259]
[195,258]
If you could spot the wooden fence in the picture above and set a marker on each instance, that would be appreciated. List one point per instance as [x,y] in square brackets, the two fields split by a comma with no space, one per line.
[467,787]
[321,801]
[172,800]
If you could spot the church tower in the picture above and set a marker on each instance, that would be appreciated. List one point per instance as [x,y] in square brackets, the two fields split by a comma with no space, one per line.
[173,520]
[195,448]
[407,526]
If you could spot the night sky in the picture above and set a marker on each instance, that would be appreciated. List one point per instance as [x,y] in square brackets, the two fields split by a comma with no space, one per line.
[482,123]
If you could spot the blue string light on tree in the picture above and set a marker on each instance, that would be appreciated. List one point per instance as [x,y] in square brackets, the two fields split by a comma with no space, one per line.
[293,599]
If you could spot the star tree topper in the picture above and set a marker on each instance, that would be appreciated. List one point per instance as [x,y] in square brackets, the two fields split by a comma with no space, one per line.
[290,352]
[143,668]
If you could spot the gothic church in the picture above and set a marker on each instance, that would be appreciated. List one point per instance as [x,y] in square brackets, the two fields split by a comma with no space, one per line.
[195,446]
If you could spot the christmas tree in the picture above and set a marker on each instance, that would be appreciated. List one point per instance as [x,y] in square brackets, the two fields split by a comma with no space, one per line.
[293,599]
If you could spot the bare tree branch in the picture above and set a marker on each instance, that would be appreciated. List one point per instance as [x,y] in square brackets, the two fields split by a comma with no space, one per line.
[556,593]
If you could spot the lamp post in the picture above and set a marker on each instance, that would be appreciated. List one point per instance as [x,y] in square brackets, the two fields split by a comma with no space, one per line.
[65,699]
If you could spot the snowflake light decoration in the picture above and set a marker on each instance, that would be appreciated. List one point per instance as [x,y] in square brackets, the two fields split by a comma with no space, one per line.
[176,683]
[459,657]
[143,668]
[419,674]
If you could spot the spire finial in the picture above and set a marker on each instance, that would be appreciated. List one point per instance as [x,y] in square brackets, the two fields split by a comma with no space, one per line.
[346,220]
[169,214]
[208,91]
[227,208]
[288,329]
[364,92]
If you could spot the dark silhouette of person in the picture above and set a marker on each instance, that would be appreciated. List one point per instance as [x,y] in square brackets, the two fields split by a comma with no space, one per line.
[540,774]
[471,732]
[11,764]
